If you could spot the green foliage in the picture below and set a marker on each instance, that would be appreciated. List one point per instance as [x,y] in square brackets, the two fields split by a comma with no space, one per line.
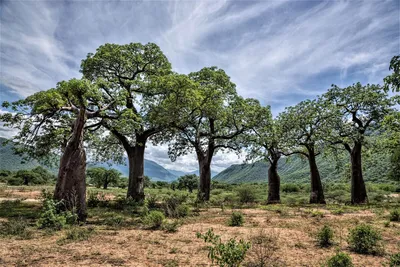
[395,215]
[364,239]
[236,219]
[79,234]
[393,80]
[324,237]
[171,227]
[229,254]
[154,219]
[114,221]
[173,206]
[341,259]
[189,182]
[395,260]
[15,227]
[290,188]
[49,218]
[246,194]
[102,177]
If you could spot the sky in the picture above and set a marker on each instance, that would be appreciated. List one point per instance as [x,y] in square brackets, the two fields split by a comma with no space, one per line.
[280,52]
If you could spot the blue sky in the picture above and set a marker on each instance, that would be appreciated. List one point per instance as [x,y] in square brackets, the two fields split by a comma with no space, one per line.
[280,52]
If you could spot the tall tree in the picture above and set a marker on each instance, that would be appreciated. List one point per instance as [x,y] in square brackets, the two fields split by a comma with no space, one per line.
[265,142]
[52,123]
[393,80]
[303,127]
[129,71]
[207,116]
[188,181]
[358,110]
[102,177]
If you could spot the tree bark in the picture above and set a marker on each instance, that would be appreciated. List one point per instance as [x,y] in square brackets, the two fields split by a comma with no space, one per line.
[274,182]
[105,185]
[136,172]
[71,182]
[358,190]
[317,192]
[205,178]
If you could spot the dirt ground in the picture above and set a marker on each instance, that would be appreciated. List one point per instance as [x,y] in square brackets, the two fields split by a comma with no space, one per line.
[293,228]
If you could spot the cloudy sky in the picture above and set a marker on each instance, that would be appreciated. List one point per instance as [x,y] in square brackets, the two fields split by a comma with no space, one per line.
[280,52]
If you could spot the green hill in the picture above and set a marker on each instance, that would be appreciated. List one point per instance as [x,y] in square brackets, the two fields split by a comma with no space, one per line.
[296,169]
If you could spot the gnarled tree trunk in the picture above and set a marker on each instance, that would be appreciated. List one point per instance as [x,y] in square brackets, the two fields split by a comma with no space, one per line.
[71,182]
[274,181]
[205,175]
[136,171]
[358,190]
[317,192]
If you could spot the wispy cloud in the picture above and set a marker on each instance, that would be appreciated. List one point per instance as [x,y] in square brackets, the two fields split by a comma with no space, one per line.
[280,52]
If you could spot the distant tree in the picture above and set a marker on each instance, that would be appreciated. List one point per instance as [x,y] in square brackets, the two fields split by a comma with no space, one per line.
[207,116]
[102,177]
[29,177]
[189,182]
[393,80]
[52,123]
[303,127]
[357,111]
[265,142]
[129,71]
[174,185]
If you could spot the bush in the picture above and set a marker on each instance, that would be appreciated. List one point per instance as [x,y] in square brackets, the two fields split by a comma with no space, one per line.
[290,188]
[174,208]
[395,215]
[324,237]
[151,202]
[154,219]
[236,219]
[114,221]
[364,239]
[231,253]
[395,260]
[341,259]
[246,194]
[263,250]
[15,227]
[49,218]
[79,234]
[171,227]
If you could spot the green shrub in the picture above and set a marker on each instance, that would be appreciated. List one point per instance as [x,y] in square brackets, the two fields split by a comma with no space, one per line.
[154,219]
[341,259]
[15,227]
[171,227]
[246,194]
[395,260]
[114,221]
[364,239]
[76,234]
[49,218]
[290,188]
[236,219]
[395,215]
[173,206]
[151,202]
[229,254]
[338,211]
[324,237]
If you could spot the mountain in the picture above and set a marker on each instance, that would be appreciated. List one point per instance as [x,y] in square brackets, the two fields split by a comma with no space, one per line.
[181,173]
[10,161]
[296,169]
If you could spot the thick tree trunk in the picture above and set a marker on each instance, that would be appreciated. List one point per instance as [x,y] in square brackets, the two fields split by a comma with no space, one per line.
[274,182]
[136,172]
[71,184]
[317,192]
[205,179]
[358,190]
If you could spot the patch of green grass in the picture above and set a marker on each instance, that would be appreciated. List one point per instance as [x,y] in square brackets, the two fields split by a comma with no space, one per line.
[16,208]
[16,227]
[76,234]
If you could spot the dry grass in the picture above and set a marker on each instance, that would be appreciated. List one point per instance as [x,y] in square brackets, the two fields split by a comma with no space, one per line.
[282,235]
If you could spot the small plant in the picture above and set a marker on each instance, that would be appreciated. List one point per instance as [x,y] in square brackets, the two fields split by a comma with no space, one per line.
[154,219]
[173,206]
[236,219]
[395,215]
[246,195]
[76,234]
[114,221]
[16,227]
[171,227]
[263,250]
[338,211]
[386,224]
[151,202]
[364,239]
[317,214]
[49,218]
[341,259]
[324,237]
[229,254]
[394,260]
